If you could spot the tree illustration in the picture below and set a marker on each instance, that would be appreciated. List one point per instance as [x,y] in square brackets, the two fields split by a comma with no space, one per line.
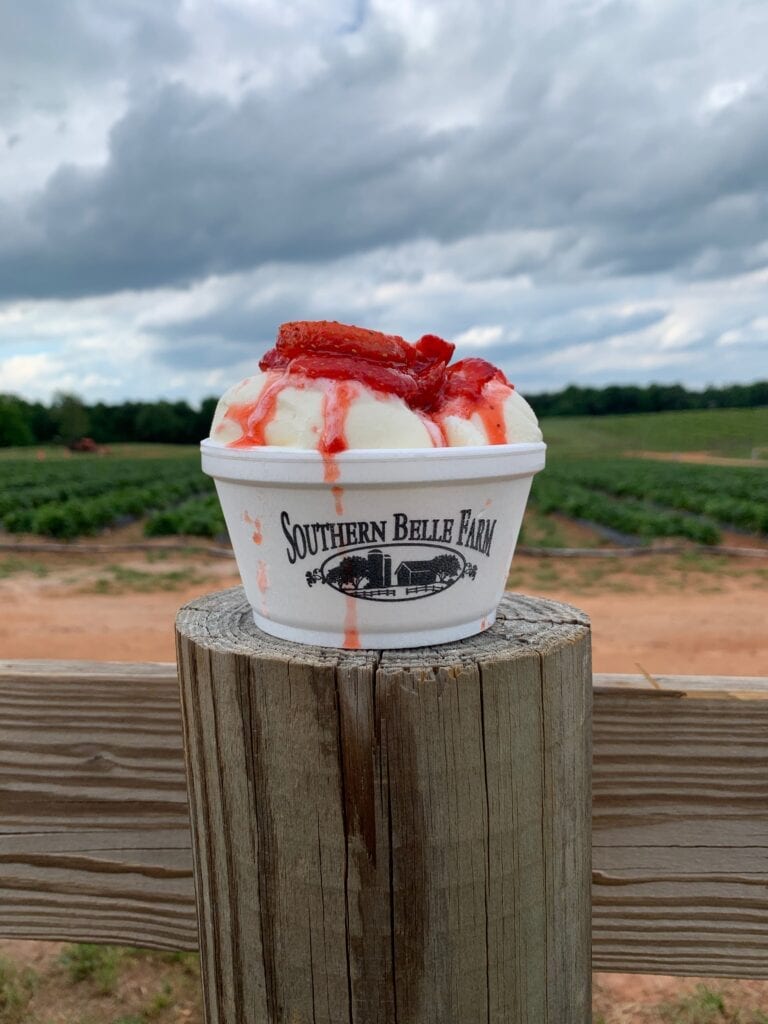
[446,567]
[350,572]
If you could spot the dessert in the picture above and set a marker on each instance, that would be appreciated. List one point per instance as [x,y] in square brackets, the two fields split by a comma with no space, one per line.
[373,490]
[332,387]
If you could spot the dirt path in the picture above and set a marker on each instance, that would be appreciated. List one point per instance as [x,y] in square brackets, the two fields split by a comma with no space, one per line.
[702,458]
[667,618]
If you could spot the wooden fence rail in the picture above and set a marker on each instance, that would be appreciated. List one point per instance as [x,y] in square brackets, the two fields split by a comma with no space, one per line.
[94,837]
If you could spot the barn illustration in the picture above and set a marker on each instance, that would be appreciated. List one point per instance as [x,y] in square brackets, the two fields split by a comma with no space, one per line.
[371,575]
[416,574]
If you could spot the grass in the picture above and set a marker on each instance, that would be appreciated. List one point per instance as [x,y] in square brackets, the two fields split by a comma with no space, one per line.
[159,1002]
[88,983]
[541,531]
[700,571]
[16,990]
[734,433]
[188,962]
[86,961]
[704,1006]
[134,451]
[11,566]
[122,579]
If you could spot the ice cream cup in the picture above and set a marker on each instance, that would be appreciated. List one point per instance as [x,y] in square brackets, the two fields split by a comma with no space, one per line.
[378,548]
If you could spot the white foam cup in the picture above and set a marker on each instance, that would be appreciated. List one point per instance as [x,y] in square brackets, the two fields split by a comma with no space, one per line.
[405,548]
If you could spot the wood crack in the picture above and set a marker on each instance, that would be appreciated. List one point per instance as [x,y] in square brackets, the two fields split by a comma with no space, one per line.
[345,826]
[487,844]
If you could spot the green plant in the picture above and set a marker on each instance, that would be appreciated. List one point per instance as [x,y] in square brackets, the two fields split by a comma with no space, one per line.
[161,1001]
[86,961]
[16,990]
[9,566]
[123,579]
[703,1006]
[188,961]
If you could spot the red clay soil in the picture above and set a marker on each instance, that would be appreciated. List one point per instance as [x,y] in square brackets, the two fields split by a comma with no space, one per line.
[715,626]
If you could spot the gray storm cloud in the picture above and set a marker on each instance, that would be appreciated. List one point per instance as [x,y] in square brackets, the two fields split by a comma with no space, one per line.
[568,174]
[608,154]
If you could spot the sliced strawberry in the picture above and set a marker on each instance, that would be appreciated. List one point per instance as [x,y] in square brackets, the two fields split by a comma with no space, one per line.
[384,362]
[302,337]
[389,379]
[467,378]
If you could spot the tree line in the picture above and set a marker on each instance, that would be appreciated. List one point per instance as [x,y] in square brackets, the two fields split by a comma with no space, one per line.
[621,398]
[67,418]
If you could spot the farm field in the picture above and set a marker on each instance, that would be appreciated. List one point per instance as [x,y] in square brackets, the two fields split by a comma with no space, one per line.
[693,610]
[51,493]
[729,433]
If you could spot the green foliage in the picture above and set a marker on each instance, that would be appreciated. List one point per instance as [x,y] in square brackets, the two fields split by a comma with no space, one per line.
[178,423]
[122,579]
[649,498]
[86,961]
[629,398]
[160,1001]
[552,494]
[736,433]
[14,428]
[702,1007]
[82,495]
[188,961]
[16,990]
[11,566]
[70,416]
[199,517]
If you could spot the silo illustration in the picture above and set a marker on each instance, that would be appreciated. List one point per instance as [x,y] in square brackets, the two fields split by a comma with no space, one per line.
[379,569]
[375,568]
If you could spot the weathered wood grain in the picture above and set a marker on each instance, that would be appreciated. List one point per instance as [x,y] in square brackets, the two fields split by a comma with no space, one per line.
[367,850]
[680,817]
[680,867]
[94,834]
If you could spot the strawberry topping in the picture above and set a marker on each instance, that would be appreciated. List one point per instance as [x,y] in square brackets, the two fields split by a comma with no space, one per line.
[383,362]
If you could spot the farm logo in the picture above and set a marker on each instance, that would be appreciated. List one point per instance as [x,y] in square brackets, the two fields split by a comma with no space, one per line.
[393,572]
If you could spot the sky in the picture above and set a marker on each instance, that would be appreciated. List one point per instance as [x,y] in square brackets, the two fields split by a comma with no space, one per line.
[576,190]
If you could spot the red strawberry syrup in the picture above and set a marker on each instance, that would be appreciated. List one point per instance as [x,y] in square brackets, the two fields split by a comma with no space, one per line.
[346,356]
[351,633]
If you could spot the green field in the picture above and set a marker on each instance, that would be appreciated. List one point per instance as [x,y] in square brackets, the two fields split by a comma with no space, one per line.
[79,496]
[731,433]
[65,496]
[59,453]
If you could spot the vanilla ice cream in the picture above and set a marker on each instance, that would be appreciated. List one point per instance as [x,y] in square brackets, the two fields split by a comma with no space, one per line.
[362,390]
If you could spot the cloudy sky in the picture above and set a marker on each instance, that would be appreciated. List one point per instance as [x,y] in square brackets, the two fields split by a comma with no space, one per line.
[576,190]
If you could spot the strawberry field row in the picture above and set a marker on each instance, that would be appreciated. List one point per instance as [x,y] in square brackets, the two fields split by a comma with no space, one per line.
[727,496]
[96,494]
[621,514]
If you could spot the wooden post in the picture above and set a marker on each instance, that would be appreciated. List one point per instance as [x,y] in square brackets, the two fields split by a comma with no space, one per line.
[390,836]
